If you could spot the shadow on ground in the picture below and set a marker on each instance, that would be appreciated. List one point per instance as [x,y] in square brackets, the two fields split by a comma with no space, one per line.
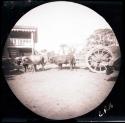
[9,74]
[46,69]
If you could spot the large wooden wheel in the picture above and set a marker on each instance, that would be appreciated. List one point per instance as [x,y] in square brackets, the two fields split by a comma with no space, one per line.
[98,58]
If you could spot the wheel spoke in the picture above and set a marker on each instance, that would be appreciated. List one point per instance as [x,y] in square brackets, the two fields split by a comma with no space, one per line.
[95,58]
[106,54]
[94,54]
[100,68]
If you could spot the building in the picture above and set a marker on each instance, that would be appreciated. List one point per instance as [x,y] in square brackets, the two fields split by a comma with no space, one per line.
[21,42]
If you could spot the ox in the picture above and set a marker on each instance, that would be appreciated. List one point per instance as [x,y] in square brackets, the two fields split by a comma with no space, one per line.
[17,62]
[33,60]
[63,59]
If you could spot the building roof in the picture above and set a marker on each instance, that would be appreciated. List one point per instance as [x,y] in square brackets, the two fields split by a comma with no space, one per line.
[24,29]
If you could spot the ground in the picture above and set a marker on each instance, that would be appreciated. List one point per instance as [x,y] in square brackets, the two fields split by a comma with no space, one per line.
[60,94]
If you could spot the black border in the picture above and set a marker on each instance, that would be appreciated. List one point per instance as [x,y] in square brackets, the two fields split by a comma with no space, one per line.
[112,11]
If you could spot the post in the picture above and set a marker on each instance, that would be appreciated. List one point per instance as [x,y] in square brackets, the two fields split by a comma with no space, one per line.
[32,40]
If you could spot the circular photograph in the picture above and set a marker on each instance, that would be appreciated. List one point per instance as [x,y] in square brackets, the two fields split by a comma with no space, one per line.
[61,60]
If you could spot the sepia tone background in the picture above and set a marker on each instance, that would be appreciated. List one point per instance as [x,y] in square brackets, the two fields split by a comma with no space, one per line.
[13,110]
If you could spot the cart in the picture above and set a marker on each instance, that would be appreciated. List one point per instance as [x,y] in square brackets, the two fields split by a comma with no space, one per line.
[102,50]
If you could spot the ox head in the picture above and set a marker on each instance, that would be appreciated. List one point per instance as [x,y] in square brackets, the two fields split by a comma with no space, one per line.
[25,60]
[18,60]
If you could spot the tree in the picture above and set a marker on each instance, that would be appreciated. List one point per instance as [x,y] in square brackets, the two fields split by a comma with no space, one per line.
[103,37]
[72,50]
[63,47]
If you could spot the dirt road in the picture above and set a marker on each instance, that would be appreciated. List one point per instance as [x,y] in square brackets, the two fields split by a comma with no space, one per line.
[61,94]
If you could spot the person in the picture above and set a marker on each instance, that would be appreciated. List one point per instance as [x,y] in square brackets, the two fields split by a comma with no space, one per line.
[25,63]
[18,62]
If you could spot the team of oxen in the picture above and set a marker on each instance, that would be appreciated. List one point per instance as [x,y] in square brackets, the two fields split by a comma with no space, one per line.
[34,60]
